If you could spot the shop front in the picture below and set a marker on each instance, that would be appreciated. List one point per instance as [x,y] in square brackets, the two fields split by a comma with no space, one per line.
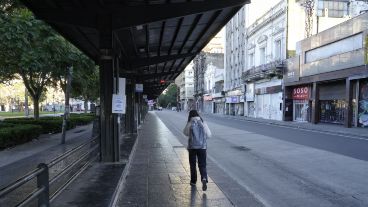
[233,105]
[219,106]
[363,104]
[332,102]
[207,104]
[268,102]
[301,104]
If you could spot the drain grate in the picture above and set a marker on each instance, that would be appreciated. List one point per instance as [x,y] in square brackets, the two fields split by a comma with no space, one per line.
[241,148]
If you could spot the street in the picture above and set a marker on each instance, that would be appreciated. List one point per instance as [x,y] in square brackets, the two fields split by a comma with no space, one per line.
[281,166]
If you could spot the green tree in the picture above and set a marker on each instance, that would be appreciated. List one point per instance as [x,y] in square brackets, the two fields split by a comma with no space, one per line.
[168,96]
[85,85]
[28,49]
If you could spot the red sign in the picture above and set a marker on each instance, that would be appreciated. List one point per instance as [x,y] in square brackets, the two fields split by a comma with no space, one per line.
[301,93]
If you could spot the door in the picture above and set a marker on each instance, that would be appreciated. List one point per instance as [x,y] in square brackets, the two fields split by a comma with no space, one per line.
[300,110]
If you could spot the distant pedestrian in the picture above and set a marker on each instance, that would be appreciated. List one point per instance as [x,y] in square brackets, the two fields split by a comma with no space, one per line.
[198,132]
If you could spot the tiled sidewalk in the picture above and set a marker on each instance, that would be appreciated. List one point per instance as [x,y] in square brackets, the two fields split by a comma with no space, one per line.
[320,127]
[159,173]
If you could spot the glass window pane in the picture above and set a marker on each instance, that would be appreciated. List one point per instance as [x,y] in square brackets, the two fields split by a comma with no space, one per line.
[320,4]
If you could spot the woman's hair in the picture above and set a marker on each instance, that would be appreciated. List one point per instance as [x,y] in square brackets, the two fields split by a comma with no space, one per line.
[193,113]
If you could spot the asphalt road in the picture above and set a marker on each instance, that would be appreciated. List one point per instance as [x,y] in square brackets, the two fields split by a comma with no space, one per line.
[264,165]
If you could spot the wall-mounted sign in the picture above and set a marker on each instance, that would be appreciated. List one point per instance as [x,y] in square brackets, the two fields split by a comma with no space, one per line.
[118,104]
[301,93]
[232,99]
[292,70]
[144,96]
[139,88]
[234,93]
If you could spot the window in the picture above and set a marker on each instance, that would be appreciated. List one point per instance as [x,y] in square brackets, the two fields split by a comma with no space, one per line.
[251,60]
[334,8]
[278,51]
[262,55]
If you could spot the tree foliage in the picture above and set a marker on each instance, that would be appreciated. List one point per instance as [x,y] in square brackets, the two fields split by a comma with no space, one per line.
[27,50]
[31,50]
[85,84]
[168,96]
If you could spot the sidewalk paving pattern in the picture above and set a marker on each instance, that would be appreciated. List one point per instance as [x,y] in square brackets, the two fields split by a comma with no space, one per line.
[159,173]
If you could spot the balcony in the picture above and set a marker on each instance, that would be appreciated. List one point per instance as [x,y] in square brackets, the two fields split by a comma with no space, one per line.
[264,71]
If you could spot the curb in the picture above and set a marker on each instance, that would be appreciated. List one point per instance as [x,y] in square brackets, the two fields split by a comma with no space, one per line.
[121,183]
[293,126]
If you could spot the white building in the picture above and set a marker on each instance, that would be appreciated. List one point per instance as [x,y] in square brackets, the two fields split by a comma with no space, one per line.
[235,64]
[186,86]
[271,38]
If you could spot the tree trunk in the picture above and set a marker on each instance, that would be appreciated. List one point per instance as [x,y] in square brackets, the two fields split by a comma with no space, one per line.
[85,106]
[26,110]
[67,106]
[36,109]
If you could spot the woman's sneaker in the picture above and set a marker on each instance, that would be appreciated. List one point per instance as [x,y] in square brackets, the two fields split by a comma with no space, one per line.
[204,184]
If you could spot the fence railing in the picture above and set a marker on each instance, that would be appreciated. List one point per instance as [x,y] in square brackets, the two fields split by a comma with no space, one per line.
[51,178]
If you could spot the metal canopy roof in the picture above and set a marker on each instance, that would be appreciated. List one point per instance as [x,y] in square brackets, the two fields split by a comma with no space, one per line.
[156,39]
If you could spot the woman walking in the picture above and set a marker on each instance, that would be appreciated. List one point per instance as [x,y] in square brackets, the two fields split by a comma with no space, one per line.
[198,132]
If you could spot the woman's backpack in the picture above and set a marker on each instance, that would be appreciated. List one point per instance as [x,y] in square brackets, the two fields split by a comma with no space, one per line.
[198,138]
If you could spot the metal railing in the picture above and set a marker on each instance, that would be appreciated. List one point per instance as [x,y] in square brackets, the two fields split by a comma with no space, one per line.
[47,189]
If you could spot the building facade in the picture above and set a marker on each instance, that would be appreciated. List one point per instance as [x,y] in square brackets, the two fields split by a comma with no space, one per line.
[186,88]
[235,64]
[265,50]
[206,66]
[271,39]
[327,81]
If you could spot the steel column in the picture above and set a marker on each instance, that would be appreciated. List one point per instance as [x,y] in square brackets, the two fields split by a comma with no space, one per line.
[349,103]
[109,139]
[315,103]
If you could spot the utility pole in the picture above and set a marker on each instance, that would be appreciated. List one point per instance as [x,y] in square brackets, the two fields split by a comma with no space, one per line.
[67,107]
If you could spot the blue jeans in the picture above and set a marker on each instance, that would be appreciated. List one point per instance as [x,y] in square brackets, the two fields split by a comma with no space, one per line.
[201,154]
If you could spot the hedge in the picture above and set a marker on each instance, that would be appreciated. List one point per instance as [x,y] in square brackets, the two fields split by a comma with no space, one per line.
[14,134]
[14,131]
[47,126]
[53,124]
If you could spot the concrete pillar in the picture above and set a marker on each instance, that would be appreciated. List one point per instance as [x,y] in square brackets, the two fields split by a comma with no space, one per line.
[315,103]
[109,136]
[349,103]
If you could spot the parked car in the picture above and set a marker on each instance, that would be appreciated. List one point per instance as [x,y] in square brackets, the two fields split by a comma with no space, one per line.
[160,108]
[173,108]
